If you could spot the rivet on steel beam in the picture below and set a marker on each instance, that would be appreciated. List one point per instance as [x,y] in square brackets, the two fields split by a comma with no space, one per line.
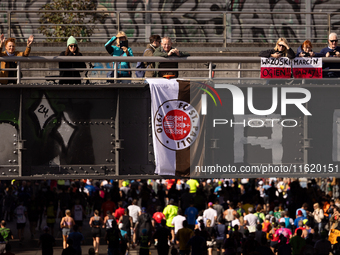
[112,118]
[296,158]
[107,122]
[107,160]
[14,161]
[112,169]
[70,168]
[150,135]
[3,173]
[300,133]
[101,122]
[15,152]
[112,126]
[101,167]
[14,144]
[90,122]
[80,168]
[65,168]
[14,135]
[14,170]
[95,122]
[85,172]
[91,167]
[96,171]
[112,122]
[9,170]
[111,160]
[300,158]
[112,134]
[300,149]
[9,161]
[112,151]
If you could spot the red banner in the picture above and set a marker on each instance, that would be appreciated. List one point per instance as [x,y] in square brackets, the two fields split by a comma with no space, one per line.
[275,72]
[307,73]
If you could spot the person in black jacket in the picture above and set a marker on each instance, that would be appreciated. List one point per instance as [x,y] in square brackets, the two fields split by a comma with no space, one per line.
[71,50]
[281,49]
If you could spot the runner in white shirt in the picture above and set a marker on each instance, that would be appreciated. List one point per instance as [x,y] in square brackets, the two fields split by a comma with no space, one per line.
[251,220]
[78,212]
[177,221]
[134,211]
[210,214]
[20,213]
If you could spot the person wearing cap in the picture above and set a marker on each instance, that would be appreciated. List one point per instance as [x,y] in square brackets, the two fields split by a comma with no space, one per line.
[281,49]
[170,211]
[144,222]
[66,224]
[11,52]
[72,50]
[303,209]
[108,219]
[121,49]
[144,242]
[210,214]
[47,241]
[299,217]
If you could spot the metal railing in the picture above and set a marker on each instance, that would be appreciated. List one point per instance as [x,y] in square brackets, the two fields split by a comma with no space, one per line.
[208,71]
[226,23]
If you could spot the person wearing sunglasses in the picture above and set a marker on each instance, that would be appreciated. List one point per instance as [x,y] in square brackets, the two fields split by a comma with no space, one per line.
[71,50]
[281,49]
[333,50]
[121,49]
[306,50]
[11,52]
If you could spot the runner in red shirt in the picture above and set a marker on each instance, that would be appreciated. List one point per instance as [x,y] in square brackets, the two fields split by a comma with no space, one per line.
[120,211]
[108,205]
[158,216]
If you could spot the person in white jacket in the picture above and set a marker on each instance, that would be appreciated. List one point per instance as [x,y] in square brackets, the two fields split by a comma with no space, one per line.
[318,216]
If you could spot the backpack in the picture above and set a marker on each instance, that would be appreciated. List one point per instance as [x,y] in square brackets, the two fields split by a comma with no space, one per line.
[258,216]
[4,233]
[141,73]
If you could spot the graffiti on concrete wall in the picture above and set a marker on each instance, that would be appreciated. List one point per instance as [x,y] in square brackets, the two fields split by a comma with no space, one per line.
[241,27]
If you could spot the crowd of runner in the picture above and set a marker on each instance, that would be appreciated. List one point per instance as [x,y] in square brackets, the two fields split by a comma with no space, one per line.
[227,216]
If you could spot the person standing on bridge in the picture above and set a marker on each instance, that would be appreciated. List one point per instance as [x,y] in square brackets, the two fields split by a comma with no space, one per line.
[166,50]
[281,49]
[72,50]
[11,52]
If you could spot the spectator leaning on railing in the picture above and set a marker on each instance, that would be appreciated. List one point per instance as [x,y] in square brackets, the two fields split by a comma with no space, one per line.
[71,50]
[155,41]
[165,51]
[281,49]
[333,50]
[11,52]
[306,50]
